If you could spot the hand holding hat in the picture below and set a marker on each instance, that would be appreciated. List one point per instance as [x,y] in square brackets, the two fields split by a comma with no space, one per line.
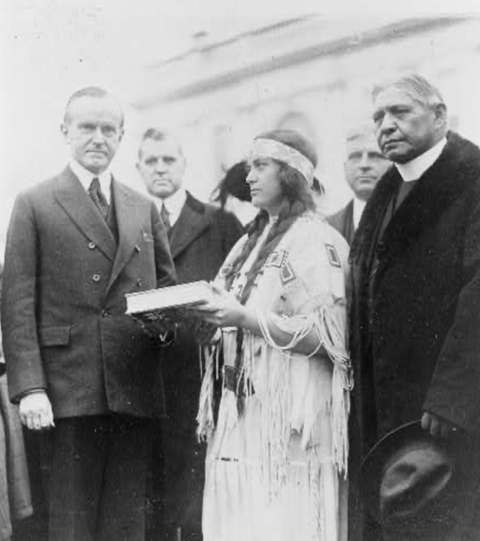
[437,426]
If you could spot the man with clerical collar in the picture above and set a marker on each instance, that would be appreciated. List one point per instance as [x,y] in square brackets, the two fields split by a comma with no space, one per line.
[415,317]
[364,165]
[200,237]
[78,366]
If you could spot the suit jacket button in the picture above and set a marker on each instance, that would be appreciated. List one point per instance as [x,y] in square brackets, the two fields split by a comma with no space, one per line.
[96,277]
[105,313]
[92,245]
[139,282]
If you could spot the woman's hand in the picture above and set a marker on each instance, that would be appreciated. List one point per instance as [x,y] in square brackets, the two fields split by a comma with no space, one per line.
[204,333]
[223,310]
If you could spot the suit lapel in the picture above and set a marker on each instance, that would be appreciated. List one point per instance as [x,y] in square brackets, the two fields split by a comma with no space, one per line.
[130,218]
[72,197]
[190,224]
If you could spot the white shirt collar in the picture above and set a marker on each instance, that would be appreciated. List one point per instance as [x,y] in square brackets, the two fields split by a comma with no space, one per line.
[85,177]
[173,204]
[415,168]
[358,208]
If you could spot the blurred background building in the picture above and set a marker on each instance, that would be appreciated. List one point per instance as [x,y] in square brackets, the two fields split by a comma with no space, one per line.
[310,73]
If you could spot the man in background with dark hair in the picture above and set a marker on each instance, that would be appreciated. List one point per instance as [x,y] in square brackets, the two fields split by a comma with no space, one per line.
[200,238]
[77,365]
[415,337]
[364,166]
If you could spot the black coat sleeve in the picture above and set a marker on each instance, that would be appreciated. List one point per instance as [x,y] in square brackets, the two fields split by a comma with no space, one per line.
[19,322]
[454,391]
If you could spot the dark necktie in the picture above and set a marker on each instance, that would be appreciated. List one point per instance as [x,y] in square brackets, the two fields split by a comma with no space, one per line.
[404,189]
[165,216]
[96,195]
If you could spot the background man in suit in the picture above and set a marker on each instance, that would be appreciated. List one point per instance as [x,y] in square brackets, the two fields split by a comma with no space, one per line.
[200,237]
[76,244]
[364,166]
[415,315]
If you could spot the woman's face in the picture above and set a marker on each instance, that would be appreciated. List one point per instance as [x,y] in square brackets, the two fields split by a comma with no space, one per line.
[264,183]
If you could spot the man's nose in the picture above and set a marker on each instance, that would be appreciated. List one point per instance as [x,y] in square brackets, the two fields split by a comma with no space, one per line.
[250,177]
[161,166]
[98,136]
[364,161]
[388,123]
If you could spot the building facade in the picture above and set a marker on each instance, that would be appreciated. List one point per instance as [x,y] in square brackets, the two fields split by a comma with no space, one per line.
[311,73]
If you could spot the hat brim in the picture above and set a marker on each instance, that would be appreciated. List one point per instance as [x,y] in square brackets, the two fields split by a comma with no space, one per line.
[373,464]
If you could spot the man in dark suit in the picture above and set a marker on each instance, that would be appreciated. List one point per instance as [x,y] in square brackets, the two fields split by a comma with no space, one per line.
[200,238]
[76,363]
[364,166]
[415,312]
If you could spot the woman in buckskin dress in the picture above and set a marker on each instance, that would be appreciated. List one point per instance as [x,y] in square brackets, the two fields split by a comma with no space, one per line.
[277,451]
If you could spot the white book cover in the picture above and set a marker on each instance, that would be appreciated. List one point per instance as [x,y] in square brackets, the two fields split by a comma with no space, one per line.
[166,298]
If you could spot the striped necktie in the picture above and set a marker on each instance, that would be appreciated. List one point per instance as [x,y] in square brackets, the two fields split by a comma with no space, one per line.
[165,216]
[96,195]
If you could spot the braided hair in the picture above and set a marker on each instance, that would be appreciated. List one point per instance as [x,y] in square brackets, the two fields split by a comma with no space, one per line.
[297,200]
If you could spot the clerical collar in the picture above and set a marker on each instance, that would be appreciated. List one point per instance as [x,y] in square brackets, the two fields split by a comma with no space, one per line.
[415,168]
[85,177]
[173,204]
[358,208]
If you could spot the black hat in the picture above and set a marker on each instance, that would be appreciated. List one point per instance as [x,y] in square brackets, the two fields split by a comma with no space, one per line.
[405,473]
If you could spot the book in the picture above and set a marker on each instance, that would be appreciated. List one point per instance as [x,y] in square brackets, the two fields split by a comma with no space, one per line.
[167,299]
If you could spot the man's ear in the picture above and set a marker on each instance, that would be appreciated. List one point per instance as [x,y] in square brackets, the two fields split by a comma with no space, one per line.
[440,112]
[64,129]
[345,173]
[122,131]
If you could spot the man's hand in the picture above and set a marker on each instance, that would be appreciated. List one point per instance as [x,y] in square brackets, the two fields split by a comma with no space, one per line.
[437,426]
[35,411]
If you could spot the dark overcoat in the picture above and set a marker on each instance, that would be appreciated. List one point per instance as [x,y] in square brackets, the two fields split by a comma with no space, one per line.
[342,221]
[417,348]
[63,309]
[200,240]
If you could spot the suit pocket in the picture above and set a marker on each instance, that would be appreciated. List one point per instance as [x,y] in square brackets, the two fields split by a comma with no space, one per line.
[55,336]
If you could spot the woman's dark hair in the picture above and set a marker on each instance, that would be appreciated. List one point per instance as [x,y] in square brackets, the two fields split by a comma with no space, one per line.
[298,199]
[318,187]
[233,183]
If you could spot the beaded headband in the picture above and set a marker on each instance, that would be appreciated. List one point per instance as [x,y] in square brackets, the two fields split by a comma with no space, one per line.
[279,151]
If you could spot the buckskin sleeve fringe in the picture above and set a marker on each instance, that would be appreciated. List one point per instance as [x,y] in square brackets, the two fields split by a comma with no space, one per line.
[209,359]
[327,322]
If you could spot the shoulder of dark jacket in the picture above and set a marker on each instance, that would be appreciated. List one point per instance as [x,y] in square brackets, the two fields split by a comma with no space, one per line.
[46,185]
[463,156]
[134,194]
[336,217]
[214,213]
